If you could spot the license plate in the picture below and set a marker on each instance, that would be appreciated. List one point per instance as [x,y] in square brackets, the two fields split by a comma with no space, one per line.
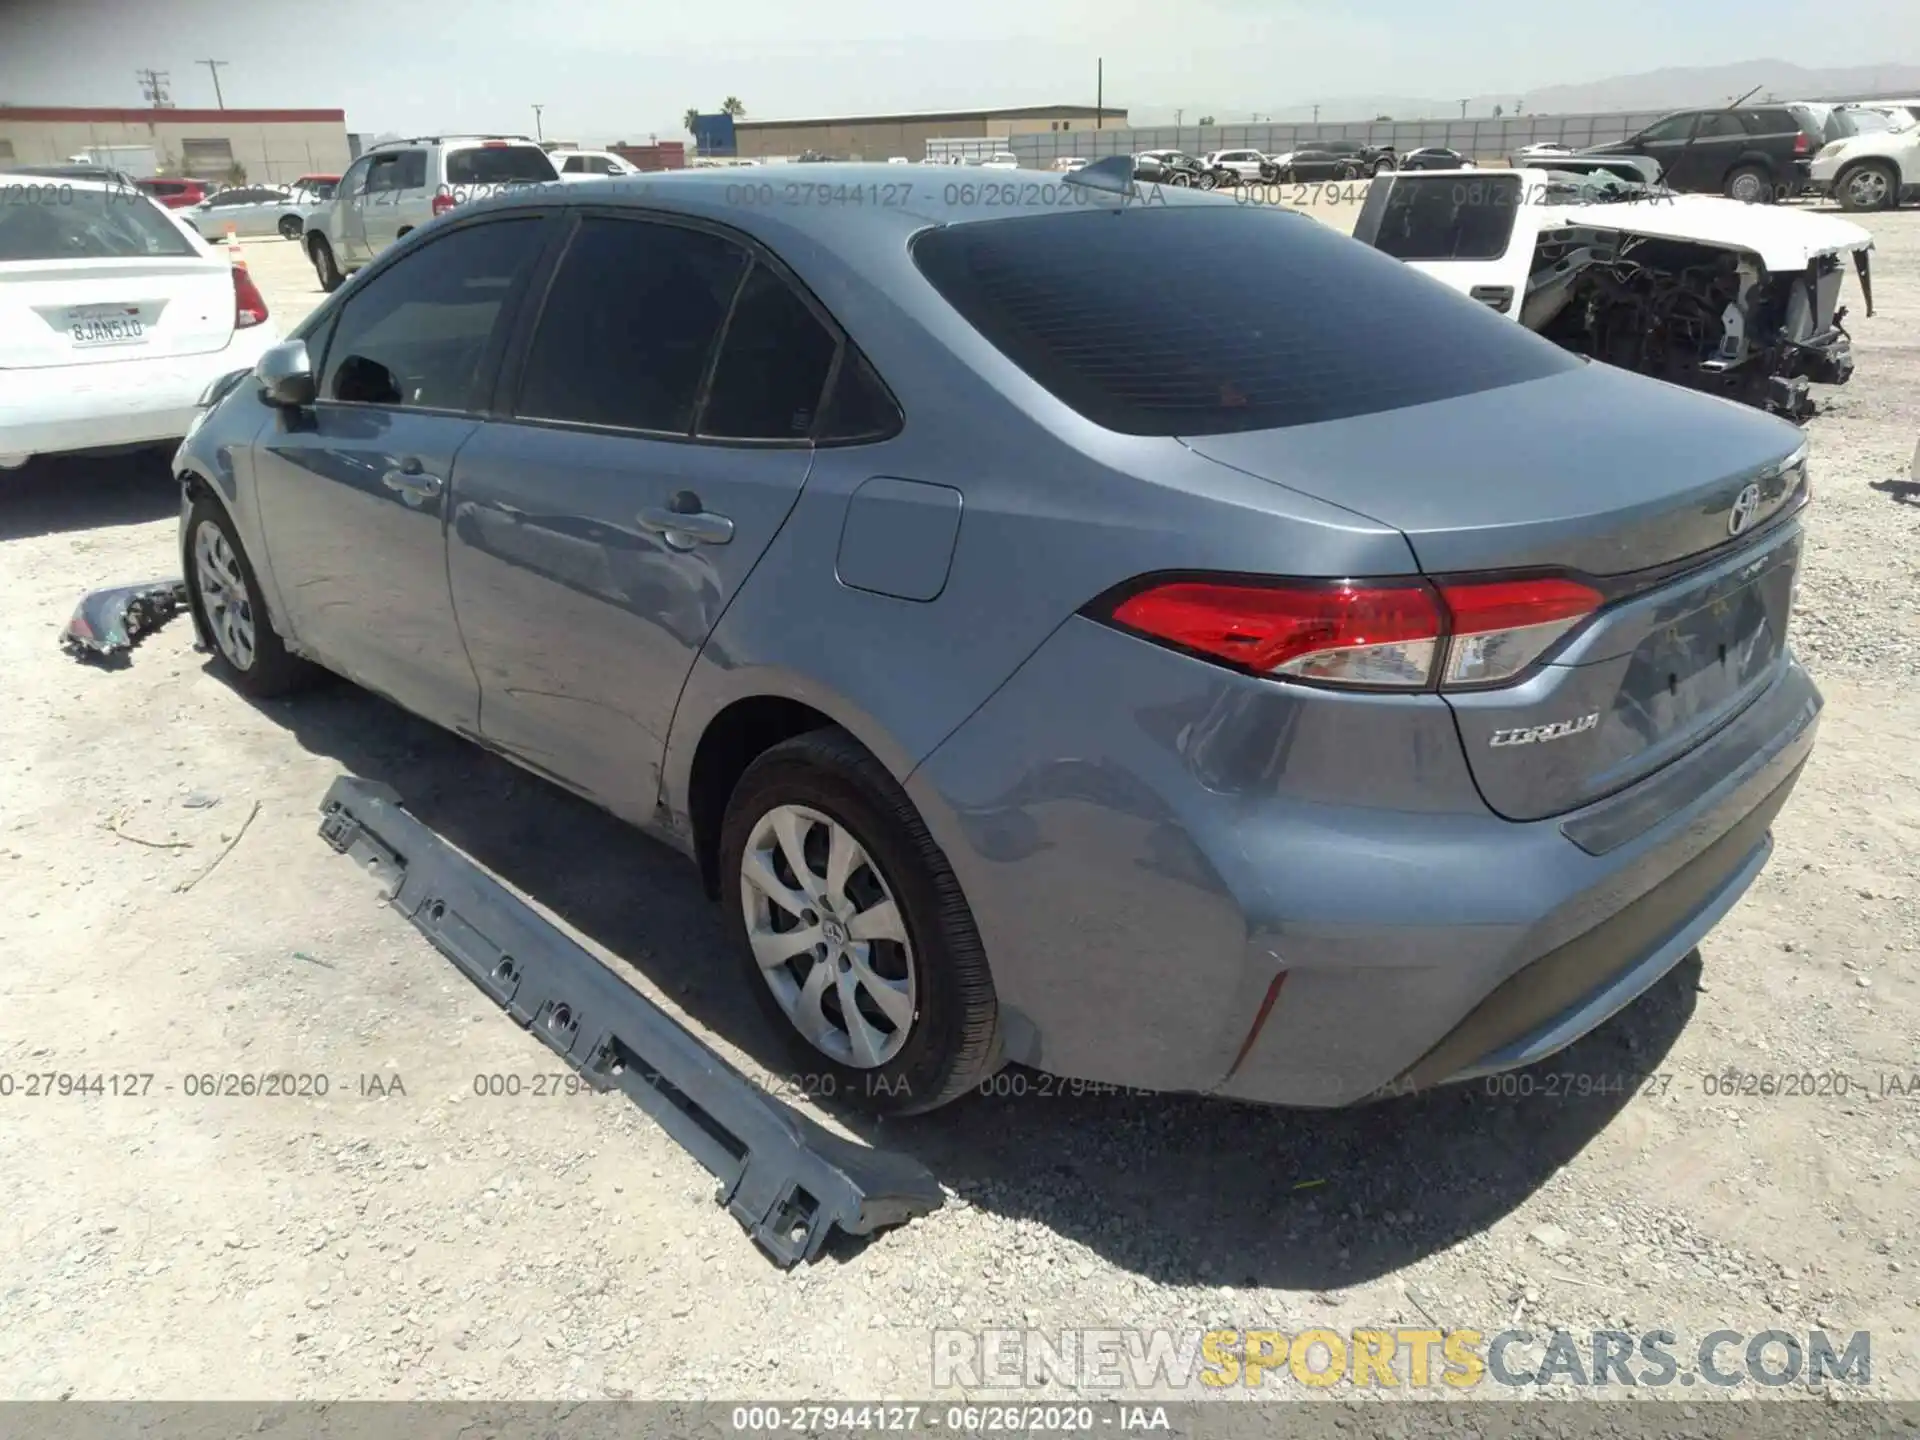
[92,331]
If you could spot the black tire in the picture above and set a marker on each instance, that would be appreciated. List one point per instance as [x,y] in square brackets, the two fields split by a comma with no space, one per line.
[1206,181]
[1181,178]
[1854,189]
[291,228]
[953,1043]
[1749,183]
[1383,165]
[323,263]
[271,670]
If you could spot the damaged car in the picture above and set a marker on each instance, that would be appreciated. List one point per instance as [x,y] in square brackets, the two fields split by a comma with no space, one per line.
[1737,300]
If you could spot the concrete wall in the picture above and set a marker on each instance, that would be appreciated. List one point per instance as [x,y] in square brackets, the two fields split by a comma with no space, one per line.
[881,139]
[273,145]
[1478,139]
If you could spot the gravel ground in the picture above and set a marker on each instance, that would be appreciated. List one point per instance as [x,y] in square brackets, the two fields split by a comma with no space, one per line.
[406,1237]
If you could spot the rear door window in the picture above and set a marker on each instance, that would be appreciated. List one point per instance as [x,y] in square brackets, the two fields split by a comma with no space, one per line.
[773,365]
[1721,125]
[1441,218]
[1334,329]
[629,326]
[415,335]
[1674,127]
[498,165]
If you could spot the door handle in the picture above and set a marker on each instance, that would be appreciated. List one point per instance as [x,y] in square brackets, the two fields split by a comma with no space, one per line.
[684,529]
[411,482]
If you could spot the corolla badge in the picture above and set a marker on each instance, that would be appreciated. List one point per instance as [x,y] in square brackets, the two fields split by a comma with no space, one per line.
[1539,734]
[1746,505]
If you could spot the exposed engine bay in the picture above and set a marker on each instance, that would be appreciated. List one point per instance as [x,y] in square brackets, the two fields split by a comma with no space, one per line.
[1694,315]
[1739,300]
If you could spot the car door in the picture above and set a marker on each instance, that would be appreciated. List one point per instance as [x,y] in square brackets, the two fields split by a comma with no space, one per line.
[350,213]
[352,491]
[1718,142]
[653,444]
[1664,141]
[392,175]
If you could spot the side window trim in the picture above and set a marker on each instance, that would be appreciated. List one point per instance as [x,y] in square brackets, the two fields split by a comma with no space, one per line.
[504,324]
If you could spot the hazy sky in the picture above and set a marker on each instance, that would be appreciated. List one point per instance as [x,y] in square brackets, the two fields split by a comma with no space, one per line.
[612,71]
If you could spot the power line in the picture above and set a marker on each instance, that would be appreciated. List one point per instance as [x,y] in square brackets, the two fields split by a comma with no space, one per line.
[213,69]
[153,85]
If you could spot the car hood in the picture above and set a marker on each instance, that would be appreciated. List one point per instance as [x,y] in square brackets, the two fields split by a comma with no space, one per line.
[1783,238]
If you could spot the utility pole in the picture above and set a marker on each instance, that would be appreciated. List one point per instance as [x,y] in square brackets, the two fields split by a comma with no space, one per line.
[153,85]
[538,133]
[1316,114]
[1463,109]
[1178,116]
[213,69]
[1099,93]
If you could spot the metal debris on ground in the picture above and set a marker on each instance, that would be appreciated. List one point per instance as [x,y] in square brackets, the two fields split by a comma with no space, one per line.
[108,623]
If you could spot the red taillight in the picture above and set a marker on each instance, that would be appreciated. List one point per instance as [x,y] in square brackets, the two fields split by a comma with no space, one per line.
[249,305]
[1801,144]
[443,202]
[1397,634]
[1346,633]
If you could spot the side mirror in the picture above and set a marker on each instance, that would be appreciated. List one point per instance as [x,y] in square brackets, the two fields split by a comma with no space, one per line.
[285,374]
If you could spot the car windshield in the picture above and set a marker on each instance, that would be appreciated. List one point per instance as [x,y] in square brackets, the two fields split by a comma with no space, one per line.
[498,165]
[88,224]
[1336,329]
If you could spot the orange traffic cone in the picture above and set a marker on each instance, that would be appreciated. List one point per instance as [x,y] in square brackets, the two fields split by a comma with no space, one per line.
[234,253]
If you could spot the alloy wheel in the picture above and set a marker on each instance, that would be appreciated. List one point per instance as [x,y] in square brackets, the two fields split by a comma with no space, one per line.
[1867,188]
[828,936]
[223,595]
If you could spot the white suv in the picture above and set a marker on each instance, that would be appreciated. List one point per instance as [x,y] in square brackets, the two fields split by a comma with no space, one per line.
[1877,169]
[400,185]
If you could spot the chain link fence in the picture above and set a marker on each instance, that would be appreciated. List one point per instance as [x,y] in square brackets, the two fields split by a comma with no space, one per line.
[1481,139]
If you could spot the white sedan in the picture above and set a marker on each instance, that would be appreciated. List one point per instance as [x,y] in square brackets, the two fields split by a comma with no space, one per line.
[114,317]
[256,210]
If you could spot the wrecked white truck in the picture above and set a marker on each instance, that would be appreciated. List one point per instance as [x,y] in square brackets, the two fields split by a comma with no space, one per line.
[1740,300]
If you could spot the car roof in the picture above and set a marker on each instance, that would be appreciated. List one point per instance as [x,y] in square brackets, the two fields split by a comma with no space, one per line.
[817,207]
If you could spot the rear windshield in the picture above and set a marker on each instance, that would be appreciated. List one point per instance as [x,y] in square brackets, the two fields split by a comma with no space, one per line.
[54,221]
[498,165]
[1443,217]
[1283,321]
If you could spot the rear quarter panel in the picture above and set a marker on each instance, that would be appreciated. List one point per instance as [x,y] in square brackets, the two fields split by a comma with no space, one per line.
[1054,512]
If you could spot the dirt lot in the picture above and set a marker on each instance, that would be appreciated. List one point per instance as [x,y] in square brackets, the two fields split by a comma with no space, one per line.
[434,1242]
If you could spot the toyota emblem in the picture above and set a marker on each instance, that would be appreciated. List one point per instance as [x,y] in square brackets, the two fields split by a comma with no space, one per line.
[1745,506]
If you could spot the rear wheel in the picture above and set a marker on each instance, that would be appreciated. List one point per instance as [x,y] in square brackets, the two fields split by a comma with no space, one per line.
[1383,165]
[1181,178]
[1749,184]
[290,227]
[323,263]
[1870,185]
[229,610]
[1206,181]
[855,938]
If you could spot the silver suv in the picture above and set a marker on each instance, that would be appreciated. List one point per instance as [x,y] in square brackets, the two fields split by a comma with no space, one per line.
[399,185]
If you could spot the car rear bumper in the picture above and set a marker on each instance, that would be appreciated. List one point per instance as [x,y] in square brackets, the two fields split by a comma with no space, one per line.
[1301,900]
[63,408]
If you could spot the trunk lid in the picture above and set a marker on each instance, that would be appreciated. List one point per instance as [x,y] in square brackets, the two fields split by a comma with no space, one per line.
[1672,504]
[85,312]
